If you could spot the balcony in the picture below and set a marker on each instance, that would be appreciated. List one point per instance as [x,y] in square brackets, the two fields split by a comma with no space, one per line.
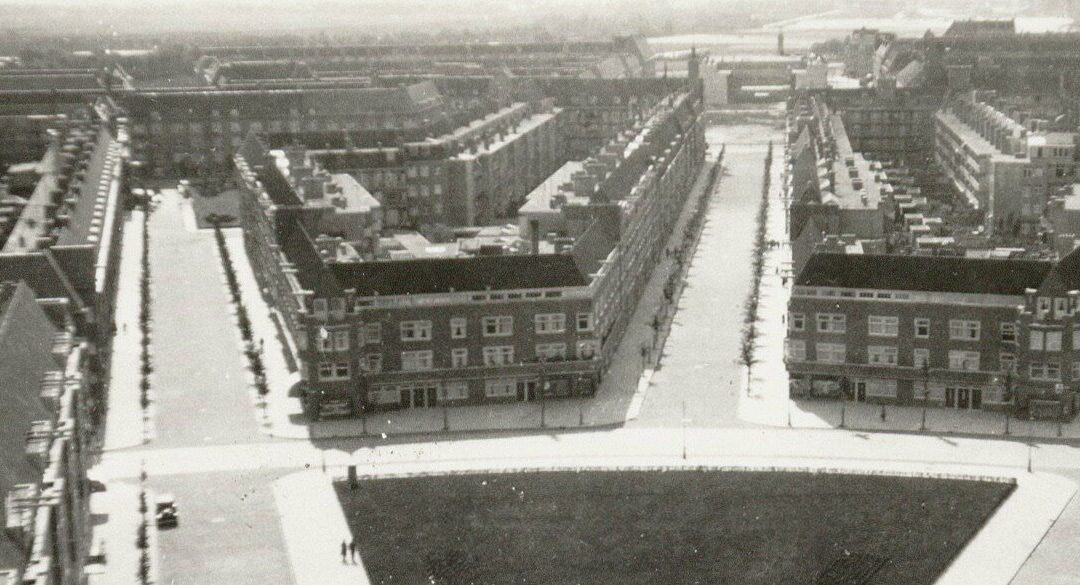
[521,369]
[38,441]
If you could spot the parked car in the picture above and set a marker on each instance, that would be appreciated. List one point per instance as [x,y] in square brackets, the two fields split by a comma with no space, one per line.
[165,511]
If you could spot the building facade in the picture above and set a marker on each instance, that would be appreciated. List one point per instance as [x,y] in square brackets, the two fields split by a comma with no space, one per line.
[949,332]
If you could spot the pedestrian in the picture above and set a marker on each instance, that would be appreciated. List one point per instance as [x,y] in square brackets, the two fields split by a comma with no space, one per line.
[344,549]
[352,550]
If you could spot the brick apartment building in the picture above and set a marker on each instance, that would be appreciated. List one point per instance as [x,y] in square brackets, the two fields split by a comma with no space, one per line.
[44,493]
[942,331]
[476,329]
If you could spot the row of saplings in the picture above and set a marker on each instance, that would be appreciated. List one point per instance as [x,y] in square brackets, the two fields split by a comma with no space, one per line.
[251,351]
[761,244]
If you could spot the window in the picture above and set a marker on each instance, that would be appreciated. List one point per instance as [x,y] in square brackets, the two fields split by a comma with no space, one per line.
[1008,332]
[881,388]
[551,351]
[795,350]
[459,358]
[796,322]
[385,395]
[372,363]
[453,391]
[881,355]
[458,328]
[1076,339]
[1053,341]
[416,330]
[341,340]
[412,361]
[337,307]
[547,323]
[498,355]
[502,326]
[883,326]
[587,349]
[500,388]
[920,358]
[964,360]
[302,340]
[330,371]
[1035,340]
[964,330]
[922,328]
[1047,371]
[584,322]
[1007,362]
[373,333]
[326,341]
[1061,306]
[1075,377]
[831,353]
[831,322]
[319,308]
[1044,306]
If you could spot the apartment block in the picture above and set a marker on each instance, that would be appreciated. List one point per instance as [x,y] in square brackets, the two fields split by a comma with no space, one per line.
[949,332]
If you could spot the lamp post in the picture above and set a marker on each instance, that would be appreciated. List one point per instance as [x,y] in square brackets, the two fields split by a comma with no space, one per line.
[683,420]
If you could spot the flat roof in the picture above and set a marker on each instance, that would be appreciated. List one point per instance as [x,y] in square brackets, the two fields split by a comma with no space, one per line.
[539,200]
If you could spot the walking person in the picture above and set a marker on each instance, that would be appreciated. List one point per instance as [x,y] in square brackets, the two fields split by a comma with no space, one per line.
[344,549]
[352,550]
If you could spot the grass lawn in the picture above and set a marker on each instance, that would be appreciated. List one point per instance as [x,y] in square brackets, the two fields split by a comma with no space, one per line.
[224,203]
[660,527]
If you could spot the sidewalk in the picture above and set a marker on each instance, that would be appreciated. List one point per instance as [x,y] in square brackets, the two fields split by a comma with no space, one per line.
[124,425]
[281,415]
[115,518]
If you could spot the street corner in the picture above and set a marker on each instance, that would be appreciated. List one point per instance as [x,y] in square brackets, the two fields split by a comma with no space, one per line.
[315,530]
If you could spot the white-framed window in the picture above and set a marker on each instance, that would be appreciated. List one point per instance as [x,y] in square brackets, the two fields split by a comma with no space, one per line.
[920,357]
[587,349]
[796,322]
[341,340]
[318,306]
[922,328]
[584,322]
[373,333]
[459,357]
[1035,340]
[416,330]
[831,322]
[1044,306]
[1075,377]
[1046,371]
[385,395]
[412,361]
[499,326]
[1061,306]
[330,371]
[500,388]
[456,390]
[964,360]
[795,350]
[881,326]
[1008,332]
[1007,362]
[1075,339]
[325,340]
[831,353]
[372,363]
[1053,341]
[498,355]
[881,355]
[964,329]
[548,323]
[551,351]
[458,328]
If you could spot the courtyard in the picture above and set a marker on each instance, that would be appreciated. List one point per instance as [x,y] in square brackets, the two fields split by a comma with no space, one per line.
[676,526]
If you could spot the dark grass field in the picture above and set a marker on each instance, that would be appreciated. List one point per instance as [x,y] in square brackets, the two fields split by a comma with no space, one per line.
[660,527]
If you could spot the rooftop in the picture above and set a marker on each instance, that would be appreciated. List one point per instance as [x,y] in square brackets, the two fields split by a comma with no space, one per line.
[542,198]
[447,275]
[947,274]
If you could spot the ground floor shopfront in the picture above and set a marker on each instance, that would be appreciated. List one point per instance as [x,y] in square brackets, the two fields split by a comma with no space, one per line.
[989,395]
[374,395]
